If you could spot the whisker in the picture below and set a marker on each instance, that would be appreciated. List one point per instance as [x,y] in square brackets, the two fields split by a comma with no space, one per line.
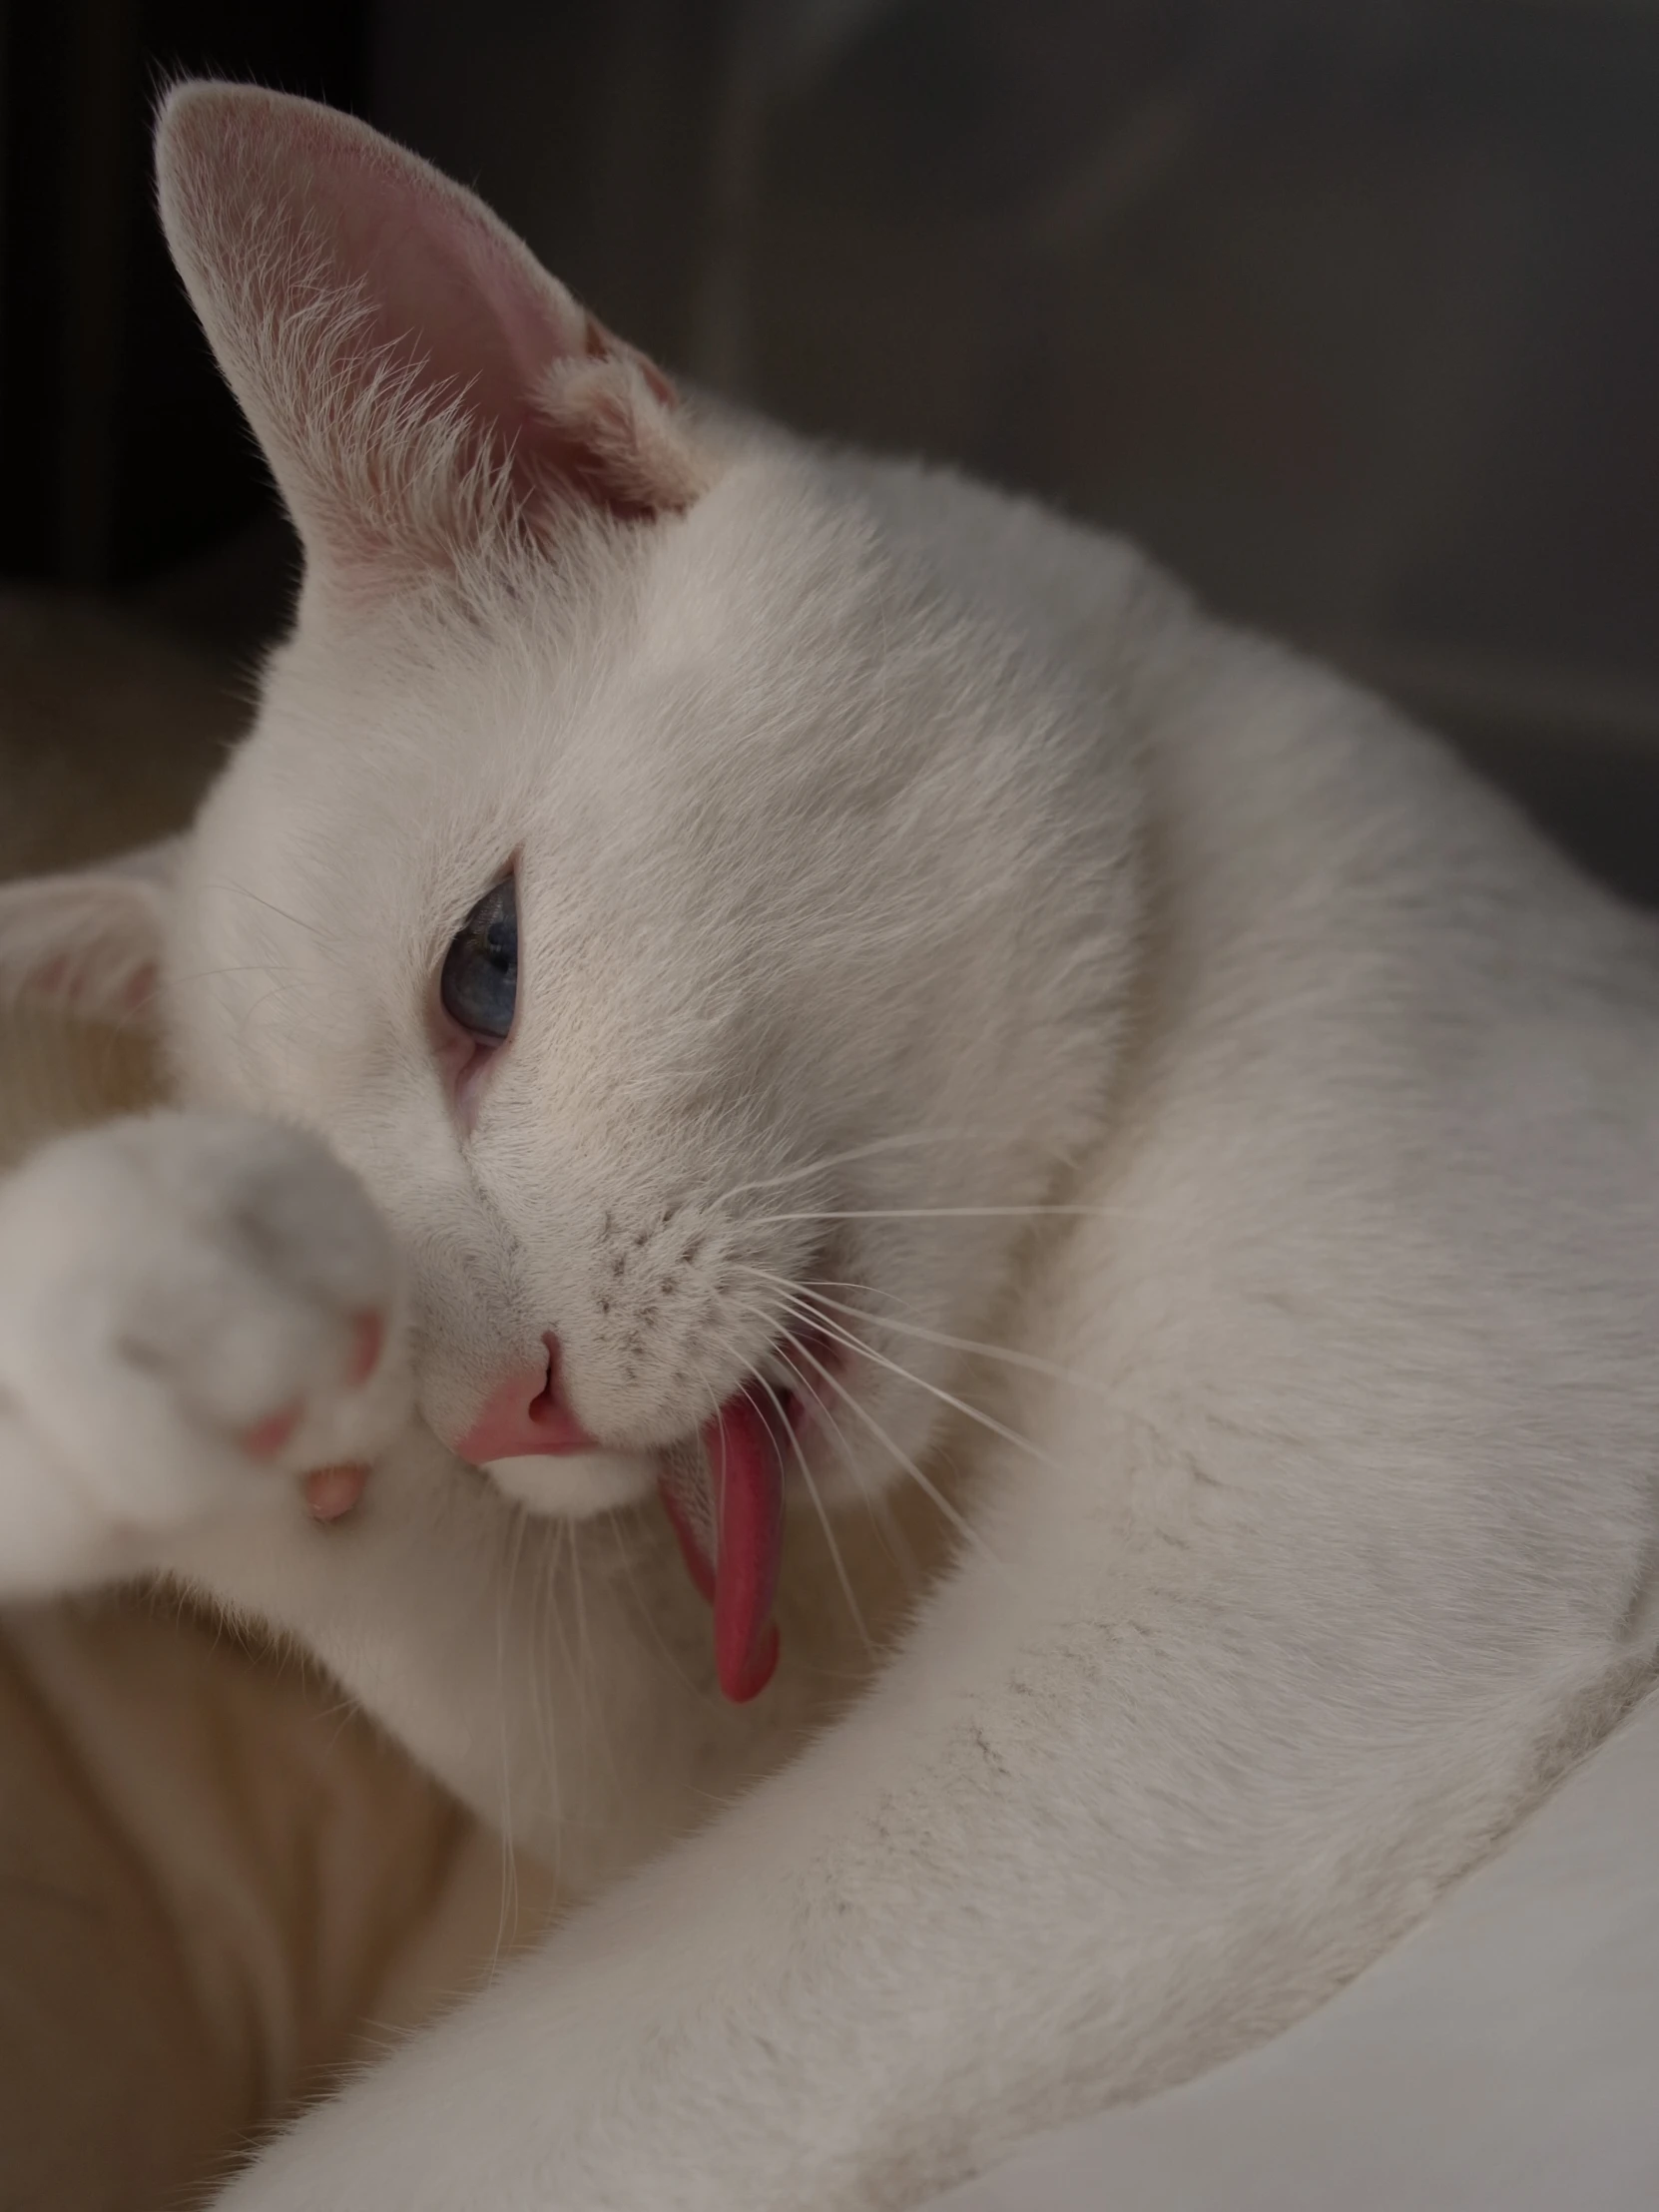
[799,1300]
[541,1646]
[928,1488]
[1026,1360]
[973,1413]
[241,890]
[508,1908]
[563,1531]
[893,1540]
[127,1023]
[837,1560]
[860,1152]
[876,1508]
[839,1564]
[244,967]
[823,1410]
[246,1023]
[646,1612]
[584,1653]
[831,1283]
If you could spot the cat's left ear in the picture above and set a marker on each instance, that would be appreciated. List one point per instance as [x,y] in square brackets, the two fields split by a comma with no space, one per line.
[89,944]
[411,371]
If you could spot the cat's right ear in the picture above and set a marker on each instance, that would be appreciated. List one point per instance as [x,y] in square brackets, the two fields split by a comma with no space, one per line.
[415,377]
[89,944]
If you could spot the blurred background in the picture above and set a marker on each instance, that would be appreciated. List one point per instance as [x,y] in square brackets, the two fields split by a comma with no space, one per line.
[1347,309]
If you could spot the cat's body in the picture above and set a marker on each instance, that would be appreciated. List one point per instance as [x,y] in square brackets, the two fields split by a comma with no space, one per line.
[943,938]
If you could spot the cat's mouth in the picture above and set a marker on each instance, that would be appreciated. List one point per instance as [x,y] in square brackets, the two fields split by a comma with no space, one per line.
[722,1485]
[722,1491]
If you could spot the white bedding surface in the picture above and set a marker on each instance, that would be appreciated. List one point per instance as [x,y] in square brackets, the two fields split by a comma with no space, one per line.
[1505,2058]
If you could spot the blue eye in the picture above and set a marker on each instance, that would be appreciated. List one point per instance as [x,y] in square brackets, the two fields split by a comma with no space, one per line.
[480,970]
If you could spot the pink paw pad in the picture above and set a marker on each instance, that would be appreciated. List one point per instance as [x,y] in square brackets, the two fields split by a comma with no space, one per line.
[266,1437]
[331,1493]
[368,1337]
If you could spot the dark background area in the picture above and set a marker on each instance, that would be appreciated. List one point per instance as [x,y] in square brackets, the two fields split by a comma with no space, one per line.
[1351,312]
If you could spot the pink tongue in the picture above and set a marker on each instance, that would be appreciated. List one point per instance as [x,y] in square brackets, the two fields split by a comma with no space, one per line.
[746,1475]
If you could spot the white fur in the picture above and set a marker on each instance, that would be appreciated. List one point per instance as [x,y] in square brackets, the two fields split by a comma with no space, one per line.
[919,895]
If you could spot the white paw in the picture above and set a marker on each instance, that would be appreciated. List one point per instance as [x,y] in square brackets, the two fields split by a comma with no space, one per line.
[193,1308]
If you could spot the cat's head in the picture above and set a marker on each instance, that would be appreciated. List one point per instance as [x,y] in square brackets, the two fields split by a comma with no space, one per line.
[702,931]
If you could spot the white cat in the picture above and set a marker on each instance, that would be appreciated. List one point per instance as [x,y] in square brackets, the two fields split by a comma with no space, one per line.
[811,954]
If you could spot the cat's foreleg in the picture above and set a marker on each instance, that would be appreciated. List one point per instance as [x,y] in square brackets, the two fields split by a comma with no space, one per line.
[1100,1824]
[200,1311]
[864,1978]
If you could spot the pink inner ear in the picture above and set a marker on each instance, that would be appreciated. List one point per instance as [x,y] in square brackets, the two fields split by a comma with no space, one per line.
[438,277]
[139,988]
[77,985]
[84,944]
[264,196]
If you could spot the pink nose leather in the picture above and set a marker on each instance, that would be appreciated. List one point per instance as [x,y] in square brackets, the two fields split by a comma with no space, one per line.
[525,1418]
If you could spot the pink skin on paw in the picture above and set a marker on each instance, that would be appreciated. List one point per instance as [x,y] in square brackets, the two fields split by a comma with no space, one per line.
[368,1337]
[266,1437]
[334,1490]
[331,1493]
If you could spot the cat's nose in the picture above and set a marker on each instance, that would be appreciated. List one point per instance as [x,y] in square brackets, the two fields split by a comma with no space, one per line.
[525,1418]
